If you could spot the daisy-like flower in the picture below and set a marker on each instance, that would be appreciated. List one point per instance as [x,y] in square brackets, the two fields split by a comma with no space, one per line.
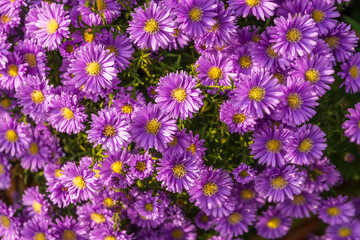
[261,9]
[13,75]
[152,27]
[204,221]
[68,228]
[243,59]
[93,68]
[178,172]
[196,16]
[196,145]
[215,68]
[345,231]
[350,72]
[352,124]
[270,145]
[9,225]
[10,6]
[67,48]
[272,224]
[137,219]
[212,189]
[52,25]
[178,144]
[141,165]
[179,40]
[9,21]
[306,145]
[256,93]
[152,127]
[301,206]
[109,129]
[149,206]
[94,216]
[35,202]
[294,7]
[126,104]
[336,210]
[172,231]
[278,184]
[110,9]
[316,70]
[177,95]
[5,179]
[294,36]
[244,174]
[323,14]
[37,229]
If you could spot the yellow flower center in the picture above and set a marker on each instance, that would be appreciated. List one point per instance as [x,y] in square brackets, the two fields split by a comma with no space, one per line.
[235,218]
[153,126]
[2,169]
[98,218]
[354,72]
[273,223]
[299,200]
[247,194]
[318,15]
[280,77]
[179,171]
[127,109]
[273,145]
[179,94]
[293,35]
[116,167]
[245,62]
[215,73]
[52,26]
[39,236]
[312,75]
[109,131]
[256,38]
[37,207]
[5,221]
[69,48]
[333,211]
[306,145]
[112,49]
[37,96]
[204,218]
[177,234]
[101,5]
[141,166]
[332,41]
[294,101]
[110,238]
[93,68]
[244,173]
[5,103]
[58,173]
[11,136]
[210,189]
[192,148]
[278,183]
[151,26]
[89,36]
[149,207]
[67,113]
[13,70]
[344,232]
[271,52]
[30,59]
[34,148]
[252,3]
[108,202]
[257,94]
[5,18]
[195,14]
[173,143]
[239,118]
[79,182]
[97,173]
[68,235]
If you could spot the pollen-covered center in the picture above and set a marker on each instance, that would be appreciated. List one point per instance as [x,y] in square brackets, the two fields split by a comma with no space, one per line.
[109,131]
[354,72]
[98,218]
[89,36]
[192,148]
[210,189]
[34,148]
[116,166]
[37,96]
[30,59]
[271,52]
[312,75]
[294,101]
[306,145]
[37,207]
[153,126]
[127,109]
[299,200]
[5,18]
[13,70]
[58,173]
[247,194]
[39,236]
[79,182]
[215,73]
[67,113]
[149,207]
[293,35]
[179,94]
[273,223]
[332,41]
[69,48]
[333,211]
[151,26]
[108,202]
[235,218]
[318,15]
[11,136]
[245,62]
[93,68]
[239,118]
[344,232]
[179,170]
[68,235]
[52,26]
[174,142]
[278,183]
[195,14]
[5,103]
[252,3]
[257,94]
[141,166]
[5,221]
[280,77]
[101,5]
[244,174]
[112,49]
[273,145]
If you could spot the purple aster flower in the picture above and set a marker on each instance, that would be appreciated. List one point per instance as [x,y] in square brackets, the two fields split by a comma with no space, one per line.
[13,75]
[244,174]
[235,119]
[137,219]
[272,224]
[176,94]
[68,48]
[5,179]
[9,21]
[109,129]
[296,103]
[94,216]
[306,145]
[151,127]
[93,68]
[301,206]
[215,69]
[175,215]
[256,93]
[35,203]
[336,210]
[350,71]
[108,233]
[352,124]
[314,69]
[196,16]
[178,172]
[10,6]
[52,25]
[66,114]
[14,139]
[294,35]
[261,9]
[294,7]
[152,27]
[141,165]
[212,189]
[148,206]
[126,104]
[204,221]
[323,14]
[270,145]
[109,9]
[246,194]
[179,39]
[171,231]
[37,229]
[345,231]
[342,41]
[9,225]
[4,50]
[79,181]
[179,143]
[225,209]
[243,59]
[278,184]
[59,193]
[68,228]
